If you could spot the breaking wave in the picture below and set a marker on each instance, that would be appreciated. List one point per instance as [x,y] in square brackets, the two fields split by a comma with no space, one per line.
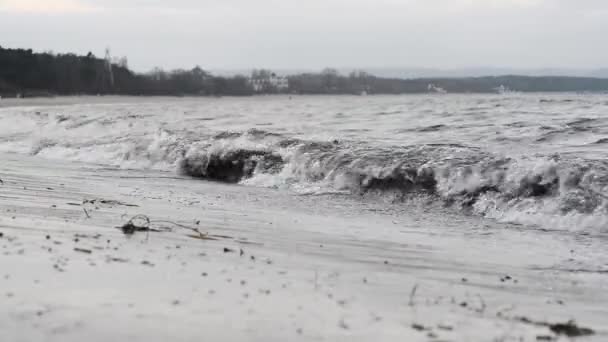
[553,191]
[549,191]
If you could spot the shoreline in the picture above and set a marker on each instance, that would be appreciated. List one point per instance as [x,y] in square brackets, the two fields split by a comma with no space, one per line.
[274,267]
[101,99]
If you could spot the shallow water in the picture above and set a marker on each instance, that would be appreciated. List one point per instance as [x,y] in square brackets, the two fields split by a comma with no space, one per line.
[540,160]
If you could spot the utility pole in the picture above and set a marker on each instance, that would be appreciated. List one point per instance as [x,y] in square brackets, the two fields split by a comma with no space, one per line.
[108,61]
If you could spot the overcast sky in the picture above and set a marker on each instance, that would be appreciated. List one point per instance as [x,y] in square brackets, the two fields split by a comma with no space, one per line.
[311,34]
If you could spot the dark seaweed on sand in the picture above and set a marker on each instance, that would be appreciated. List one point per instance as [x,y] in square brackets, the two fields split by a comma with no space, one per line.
[138,223]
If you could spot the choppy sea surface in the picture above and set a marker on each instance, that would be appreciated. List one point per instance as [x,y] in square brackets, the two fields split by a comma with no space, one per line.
[538,160]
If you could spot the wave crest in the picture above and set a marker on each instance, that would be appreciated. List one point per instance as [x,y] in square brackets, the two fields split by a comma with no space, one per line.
[229,166]
[459,176]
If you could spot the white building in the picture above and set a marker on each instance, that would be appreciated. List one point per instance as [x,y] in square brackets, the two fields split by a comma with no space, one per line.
[269,83]
[435,89]
[280,82]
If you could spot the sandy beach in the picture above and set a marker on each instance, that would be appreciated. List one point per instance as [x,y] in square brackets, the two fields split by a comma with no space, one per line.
[274,267]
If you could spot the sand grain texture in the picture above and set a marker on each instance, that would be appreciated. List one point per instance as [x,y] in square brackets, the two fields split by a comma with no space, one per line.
[274,267]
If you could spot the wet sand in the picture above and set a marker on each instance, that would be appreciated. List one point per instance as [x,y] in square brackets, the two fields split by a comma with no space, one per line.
[273,267]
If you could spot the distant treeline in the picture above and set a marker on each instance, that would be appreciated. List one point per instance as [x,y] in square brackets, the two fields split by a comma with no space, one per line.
[27,73]
[330,81]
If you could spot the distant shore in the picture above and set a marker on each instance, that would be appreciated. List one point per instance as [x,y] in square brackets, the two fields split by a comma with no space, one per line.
[345,85]
[25,73]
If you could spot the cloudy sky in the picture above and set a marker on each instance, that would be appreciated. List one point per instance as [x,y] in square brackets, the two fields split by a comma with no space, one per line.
[311,34]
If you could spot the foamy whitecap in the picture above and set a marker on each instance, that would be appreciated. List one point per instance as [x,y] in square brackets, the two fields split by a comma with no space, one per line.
[526,167]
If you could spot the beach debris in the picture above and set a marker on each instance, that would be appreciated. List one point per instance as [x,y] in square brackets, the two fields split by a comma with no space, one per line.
[147,263]
[505,278]
[83,250]
[246,242]
[142,223]
[201,237]
[138,223]
[1,182]
[412,295]
[228,250]
[555,301]
[418,327]
[115,259]
[544,338]
[198,234]
[445,327]
[222,236]
[97,201]
[569,329]
[1,234]
[87,236]
[86,212]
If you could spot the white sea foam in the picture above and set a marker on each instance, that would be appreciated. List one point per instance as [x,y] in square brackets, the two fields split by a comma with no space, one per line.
[519,175]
